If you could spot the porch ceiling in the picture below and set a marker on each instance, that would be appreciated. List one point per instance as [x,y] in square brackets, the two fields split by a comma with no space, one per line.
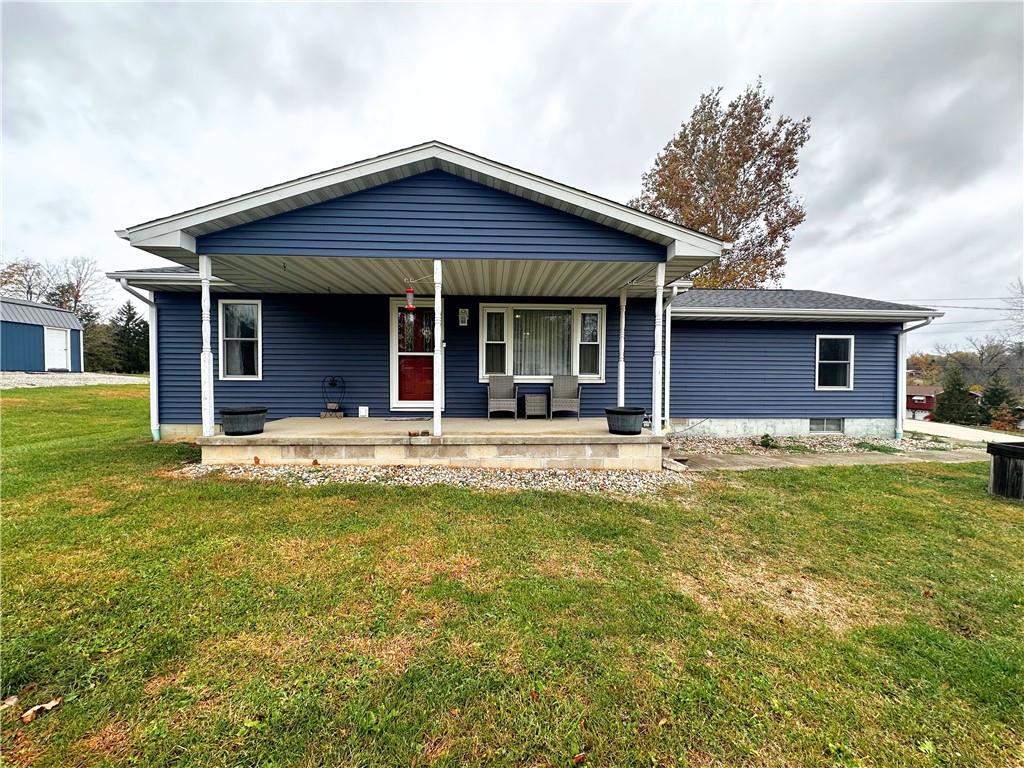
[477,277]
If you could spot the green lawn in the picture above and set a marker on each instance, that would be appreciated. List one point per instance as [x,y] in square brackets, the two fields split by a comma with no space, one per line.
[850,616]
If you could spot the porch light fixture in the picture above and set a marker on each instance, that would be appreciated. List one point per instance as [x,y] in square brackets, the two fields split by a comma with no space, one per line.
[409,305]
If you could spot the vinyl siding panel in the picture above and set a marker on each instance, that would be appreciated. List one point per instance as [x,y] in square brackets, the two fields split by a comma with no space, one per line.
[767,370]
[21,347]
[308,337]
[719,369]
[432,215]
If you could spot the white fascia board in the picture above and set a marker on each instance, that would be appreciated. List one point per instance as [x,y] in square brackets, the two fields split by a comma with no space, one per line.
[149,280]
[735,313]
[431,155]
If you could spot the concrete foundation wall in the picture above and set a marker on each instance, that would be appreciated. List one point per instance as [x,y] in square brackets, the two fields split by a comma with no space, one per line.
[777,427]
[549,454]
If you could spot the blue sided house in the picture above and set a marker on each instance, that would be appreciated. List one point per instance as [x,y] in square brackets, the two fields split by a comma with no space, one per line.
[37,337]
[411,287]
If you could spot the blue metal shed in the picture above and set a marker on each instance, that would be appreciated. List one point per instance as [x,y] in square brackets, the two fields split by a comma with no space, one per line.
[39,337]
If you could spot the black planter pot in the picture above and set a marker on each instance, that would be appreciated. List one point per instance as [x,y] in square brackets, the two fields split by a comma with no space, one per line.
[243,420]
[1006,477]
[625,421]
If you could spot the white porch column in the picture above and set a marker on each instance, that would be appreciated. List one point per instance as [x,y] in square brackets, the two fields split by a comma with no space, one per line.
[621,397]
[438,349]
[901,380]
[154,372]
[206,356]
[656,367]
[667,415]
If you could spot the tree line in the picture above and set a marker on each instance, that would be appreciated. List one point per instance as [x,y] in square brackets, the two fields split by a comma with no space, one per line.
[118,343]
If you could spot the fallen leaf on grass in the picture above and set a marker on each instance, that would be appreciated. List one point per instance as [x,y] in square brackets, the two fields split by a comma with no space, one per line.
[31,713]
[579,759]
[7,703]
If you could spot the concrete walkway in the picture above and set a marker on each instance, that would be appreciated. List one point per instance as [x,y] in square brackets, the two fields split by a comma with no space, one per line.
[957,432]
[726,461]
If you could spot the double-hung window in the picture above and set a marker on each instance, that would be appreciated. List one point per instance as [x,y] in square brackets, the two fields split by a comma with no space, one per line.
[534,342]
[240,327]
[834,362]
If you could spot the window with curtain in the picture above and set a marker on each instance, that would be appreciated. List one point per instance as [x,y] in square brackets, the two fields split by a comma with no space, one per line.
[590,344]
[240,328]
[495,345]
[537,342]
[835,362]
[542,342]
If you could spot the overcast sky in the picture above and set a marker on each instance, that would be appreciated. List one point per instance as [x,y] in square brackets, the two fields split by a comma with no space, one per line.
[913,180]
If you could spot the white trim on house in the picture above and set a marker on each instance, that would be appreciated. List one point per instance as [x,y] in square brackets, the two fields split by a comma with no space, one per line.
[221,338]
[166,233]
[507,309]
[67,348]
[409,405]
[817,361]
[832,315]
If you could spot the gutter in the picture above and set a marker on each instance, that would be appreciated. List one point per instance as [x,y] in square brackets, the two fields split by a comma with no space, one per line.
[677,287]
[901,373]
[154,399]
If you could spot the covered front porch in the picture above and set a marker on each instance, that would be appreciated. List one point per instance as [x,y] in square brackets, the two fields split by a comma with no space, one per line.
[563,443]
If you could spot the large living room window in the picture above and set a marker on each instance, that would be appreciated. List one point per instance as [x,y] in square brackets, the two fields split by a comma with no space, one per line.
[834,364]
[534,342]
[240,329]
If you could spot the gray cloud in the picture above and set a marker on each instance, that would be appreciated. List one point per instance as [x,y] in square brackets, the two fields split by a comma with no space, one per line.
[115,114]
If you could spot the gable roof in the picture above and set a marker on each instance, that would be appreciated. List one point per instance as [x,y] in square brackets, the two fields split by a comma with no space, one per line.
[788,304]
[36,313]
[176,233]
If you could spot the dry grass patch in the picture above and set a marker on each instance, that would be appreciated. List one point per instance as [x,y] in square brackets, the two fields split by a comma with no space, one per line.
[111,742]
[796,597]
[423,561]
[559,565]
[392,654]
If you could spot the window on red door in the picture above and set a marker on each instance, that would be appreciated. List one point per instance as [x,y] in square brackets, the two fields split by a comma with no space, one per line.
[416,354]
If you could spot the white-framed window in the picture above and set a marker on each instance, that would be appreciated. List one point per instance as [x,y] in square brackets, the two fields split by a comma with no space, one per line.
[240,329]
[827,425]
[833,363]
[533,342]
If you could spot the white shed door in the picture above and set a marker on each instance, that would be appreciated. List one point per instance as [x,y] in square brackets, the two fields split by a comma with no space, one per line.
[56,345]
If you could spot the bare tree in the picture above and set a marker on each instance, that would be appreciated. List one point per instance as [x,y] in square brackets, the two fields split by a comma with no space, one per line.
[24,279]
[1015,311]
[75,283]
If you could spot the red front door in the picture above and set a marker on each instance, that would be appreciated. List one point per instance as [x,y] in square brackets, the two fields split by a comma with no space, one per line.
[415,347]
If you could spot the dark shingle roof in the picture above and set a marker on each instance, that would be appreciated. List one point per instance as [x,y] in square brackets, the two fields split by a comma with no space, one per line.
[783,299]
[36,313]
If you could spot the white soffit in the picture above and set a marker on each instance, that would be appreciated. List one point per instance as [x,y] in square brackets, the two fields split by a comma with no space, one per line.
[463,277]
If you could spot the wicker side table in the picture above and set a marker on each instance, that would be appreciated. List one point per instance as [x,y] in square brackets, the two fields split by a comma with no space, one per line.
[536,405]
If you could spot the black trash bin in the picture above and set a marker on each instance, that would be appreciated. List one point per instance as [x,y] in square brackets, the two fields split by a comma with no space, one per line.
[243,419]
[1006,475]
[625,421]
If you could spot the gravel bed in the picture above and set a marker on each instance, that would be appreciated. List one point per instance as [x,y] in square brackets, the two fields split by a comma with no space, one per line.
[20,380]
[616,482]
[805,444]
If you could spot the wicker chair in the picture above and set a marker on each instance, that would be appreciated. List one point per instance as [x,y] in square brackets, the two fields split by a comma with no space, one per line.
[502,396]
[566,394]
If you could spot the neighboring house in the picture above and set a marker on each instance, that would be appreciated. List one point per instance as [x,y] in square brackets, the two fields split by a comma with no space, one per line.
[39,337]
[921,401]
[277,288]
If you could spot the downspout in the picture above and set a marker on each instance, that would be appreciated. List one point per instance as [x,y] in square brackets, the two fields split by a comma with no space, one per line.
[679,286]
[666,415]
[620,399]
[154,402]
[901,374]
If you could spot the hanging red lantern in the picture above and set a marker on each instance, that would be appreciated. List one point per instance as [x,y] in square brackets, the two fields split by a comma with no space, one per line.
[409,305]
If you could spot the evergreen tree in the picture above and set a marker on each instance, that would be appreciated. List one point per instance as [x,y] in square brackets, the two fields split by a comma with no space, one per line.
[131,338]
[955,405]
[1004,418]
[997,393]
